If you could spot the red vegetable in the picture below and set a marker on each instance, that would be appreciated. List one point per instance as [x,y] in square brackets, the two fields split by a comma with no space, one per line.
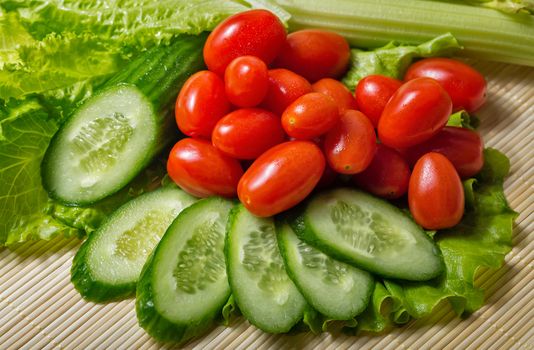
[284,88]
[246,81]
[338,92]
[373,93]
[435,193]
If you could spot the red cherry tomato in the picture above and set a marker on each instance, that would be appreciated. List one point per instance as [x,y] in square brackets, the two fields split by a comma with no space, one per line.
[284,88]
[256,32]
[435,193]
[315,54]
[373,93]
[247,133]
[338,91]
[387,176]
[246,81]
[281,177]
[202,170]
[351,145]
[465,86]
[309,116]
[463,147]
[200,104]
[417,111]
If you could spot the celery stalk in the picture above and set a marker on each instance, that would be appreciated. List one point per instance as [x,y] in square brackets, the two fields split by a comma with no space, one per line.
[484,33]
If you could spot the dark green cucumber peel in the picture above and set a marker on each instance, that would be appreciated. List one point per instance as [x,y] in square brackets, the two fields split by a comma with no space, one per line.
[152,82]
[320,278]
[392,219]
[257,275]
[154,317]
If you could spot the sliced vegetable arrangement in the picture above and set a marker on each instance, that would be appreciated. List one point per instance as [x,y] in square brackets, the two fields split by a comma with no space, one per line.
[318,202]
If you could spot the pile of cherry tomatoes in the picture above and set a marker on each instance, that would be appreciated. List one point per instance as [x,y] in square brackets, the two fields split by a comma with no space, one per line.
[269,103]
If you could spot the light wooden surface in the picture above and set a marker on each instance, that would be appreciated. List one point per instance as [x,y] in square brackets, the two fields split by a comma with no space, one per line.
[40,309]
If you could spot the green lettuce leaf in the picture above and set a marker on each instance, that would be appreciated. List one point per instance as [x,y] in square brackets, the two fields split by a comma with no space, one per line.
[393,59]
[462,119]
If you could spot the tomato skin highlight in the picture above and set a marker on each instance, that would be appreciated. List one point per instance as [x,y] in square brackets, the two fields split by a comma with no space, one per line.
[465,85]
[281,177]
[256,32]
[202,170]
[418,110]
[337,91]
[246,81]
[435,193]
[201,103]
[315,54]
[247,133]
[309,116]
[463,147]
[387,176]
[351,145]
[284,88]
[373,93]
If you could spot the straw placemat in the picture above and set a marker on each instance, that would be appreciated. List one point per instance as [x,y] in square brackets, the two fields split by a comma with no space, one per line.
[40,309]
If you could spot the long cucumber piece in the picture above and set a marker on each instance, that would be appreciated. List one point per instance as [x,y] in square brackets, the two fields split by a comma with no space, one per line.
[115,133]
[260,285]
[108,264]
[183,286]
[335,289]
[369,233]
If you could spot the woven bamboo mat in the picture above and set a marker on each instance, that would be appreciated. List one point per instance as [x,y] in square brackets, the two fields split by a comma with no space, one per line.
[40,309]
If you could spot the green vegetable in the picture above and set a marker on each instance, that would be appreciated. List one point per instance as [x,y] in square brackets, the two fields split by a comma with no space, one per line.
[508,6]
[464,120]
[484,33]
[183,286]
[108,264]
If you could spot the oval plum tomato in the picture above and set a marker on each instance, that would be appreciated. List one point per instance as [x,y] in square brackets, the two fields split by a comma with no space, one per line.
[309,116]
[200,104]
[315,54]
[351,145]
[435,193]
[246,81]
[247,133]
[284,88]
[338,91]
[463,147]
[256,32]
[417,111]
[202,170]
[281,177]
[373,93]
[387,176]
[465,86]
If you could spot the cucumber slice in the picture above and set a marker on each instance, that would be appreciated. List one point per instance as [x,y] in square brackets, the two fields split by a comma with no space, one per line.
[183,286]
[260,285]
[369,233]
[108,264]
[335,289]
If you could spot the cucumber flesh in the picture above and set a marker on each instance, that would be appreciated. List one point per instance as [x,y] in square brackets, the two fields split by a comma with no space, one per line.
[260,285]
[335,289]
[108,264]
[183,286]
[369,233]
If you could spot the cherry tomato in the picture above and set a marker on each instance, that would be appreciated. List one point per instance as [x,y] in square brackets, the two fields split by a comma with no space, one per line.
[387,176]
[315,54]
[246,81]
[200,104]
[435,193]
[338,91]
[256,32]
[309,116]
[465,86]
[373,93]
[202,170]
[247,133]
[284,88]
[281,177]
[351,145]
[463,147]
[417,111]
